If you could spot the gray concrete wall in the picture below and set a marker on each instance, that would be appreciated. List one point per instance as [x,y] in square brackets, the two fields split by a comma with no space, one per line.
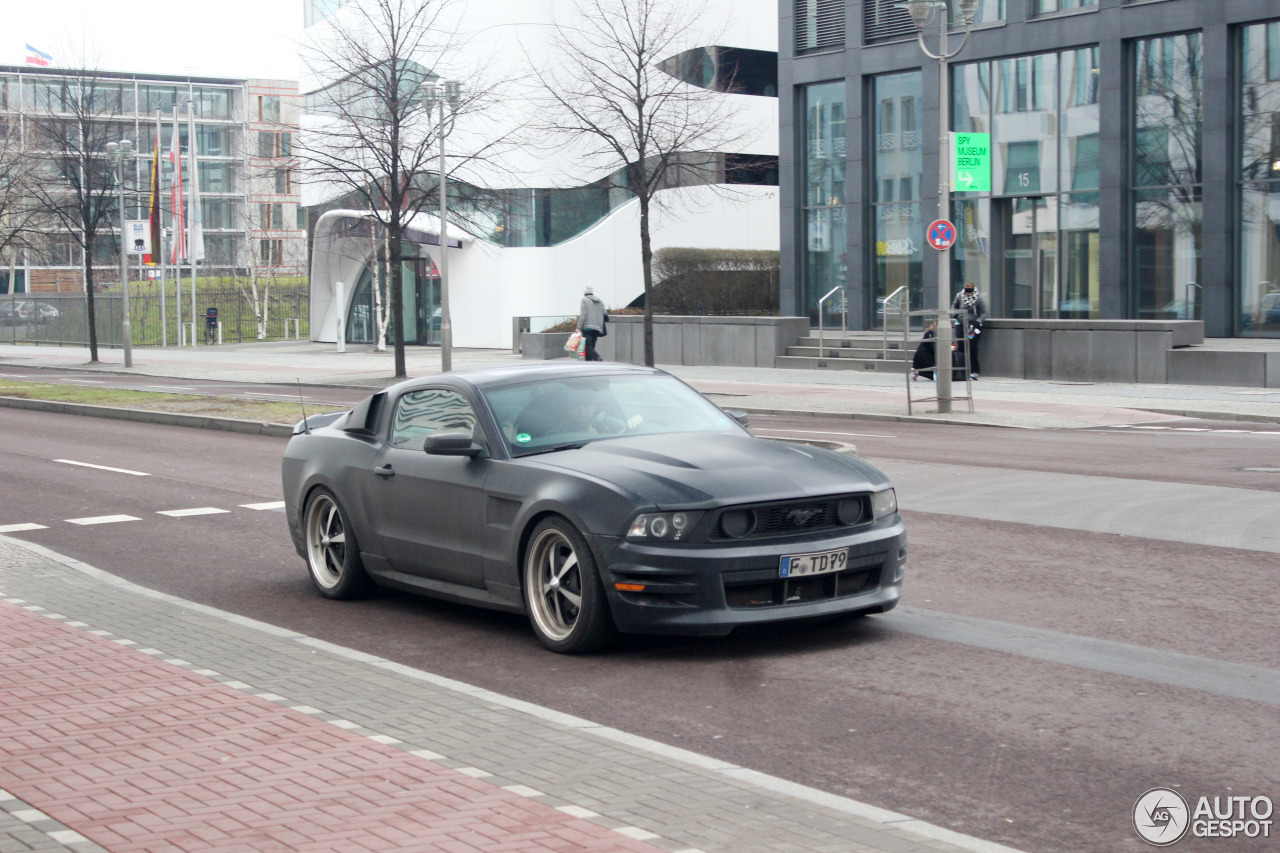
[1086,350]
[730,341]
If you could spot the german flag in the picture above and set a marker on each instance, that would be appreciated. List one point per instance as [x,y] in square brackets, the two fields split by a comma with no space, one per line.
[153,209]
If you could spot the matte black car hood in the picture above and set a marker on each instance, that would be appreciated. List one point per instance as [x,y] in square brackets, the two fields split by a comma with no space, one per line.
[687,470]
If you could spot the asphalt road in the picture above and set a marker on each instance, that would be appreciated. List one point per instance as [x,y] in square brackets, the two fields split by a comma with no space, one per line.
[1038,679]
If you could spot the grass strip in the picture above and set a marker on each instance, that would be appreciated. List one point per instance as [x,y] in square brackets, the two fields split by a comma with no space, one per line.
[155,401]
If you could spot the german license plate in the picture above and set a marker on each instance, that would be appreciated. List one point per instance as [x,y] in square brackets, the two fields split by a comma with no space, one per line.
[821,563]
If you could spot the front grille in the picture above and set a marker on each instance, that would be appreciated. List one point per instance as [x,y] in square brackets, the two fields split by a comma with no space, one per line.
[793,518]
[763,587]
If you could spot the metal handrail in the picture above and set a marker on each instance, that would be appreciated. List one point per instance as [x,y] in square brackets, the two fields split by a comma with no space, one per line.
[1189,299]
[844,315]
[884,321]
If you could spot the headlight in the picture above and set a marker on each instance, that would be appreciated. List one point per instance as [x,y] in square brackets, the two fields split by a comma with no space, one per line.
[666,526]
[884,503]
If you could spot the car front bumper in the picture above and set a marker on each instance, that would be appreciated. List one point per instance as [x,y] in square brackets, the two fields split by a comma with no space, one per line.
[711,589]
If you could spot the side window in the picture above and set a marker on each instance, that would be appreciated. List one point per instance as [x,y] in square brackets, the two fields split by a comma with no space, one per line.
[420,413]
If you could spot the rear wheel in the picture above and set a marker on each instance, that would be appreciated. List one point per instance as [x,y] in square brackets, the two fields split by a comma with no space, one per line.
[562,588]
[333,556]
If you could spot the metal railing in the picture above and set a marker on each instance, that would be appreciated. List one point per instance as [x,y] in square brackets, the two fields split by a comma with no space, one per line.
[886,306]
[844,315]
[938,314]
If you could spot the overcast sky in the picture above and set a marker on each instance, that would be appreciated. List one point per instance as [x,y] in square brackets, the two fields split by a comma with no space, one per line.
[213,38]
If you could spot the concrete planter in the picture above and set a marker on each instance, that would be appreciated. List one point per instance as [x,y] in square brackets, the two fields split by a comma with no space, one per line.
[543,345]
[1085,350]
[729,341]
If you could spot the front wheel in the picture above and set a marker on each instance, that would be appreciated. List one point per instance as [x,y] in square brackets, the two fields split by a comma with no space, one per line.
[562,588]
[333,557]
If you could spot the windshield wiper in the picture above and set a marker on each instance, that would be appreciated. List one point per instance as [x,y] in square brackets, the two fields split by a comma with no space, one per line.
[570,445]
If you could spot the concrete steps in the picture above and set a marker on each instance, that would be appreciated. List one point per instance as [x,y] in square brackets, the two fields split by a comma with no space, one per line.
[862,351]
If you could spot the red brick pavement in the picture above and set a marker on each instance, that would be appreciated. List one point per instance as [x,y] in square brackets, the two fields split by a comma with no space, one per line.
[136,754]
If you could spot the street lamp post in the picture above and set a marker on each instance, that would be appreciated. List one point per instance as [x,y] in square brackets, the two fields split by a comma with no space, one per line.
[446,93]
[921,12]
[122,155]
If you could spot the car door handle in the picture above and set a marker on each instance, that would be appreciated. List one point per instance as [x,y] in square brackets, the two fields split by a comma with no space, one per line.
[385,471]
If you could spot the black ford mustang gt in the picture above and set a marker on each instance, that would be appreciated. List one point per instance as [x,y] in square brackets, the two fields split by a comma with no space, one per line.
[595,498]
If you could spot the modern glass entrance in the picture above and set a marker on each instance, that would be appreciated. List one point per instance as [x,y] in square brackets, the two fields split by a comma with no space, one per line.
[1028,271]
[421,306]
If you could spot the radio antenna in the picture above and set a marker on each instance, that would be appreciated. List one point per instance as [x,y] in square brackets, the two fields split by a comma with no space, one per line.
[306,427]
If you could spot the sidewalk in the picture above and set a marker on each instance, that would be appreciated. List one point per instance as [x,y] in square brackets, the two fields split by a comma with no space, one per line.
[1017,403]
[132,720]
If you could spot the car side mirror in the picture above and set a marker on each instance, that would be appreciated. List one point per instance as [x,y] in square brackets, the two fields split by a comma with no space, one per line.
[452,443]
[738,415]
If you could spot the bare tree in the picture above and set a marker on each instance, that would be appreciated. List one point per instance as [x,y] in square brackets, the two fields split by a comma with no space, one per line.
[372,136]
[74,117]
[19,215]
[608,93]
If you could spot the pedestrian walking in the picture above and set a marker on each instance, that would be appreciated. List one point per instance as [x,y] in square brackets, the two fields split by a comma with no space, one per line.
[593,322]
[970,301]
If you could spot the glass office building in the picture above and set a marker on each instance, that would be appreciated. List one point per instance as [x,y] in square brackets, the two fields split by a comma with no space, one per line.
[1135,159]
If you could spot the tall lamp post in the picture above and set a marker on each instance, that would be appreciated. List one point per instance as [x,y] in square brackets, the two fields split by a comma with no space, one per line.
[122,154]
[446,93]
[922,12]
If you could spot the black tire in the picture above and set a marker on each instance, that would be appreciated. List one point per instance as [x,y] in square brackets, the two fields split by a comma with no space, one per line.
[563,592]
[333,556]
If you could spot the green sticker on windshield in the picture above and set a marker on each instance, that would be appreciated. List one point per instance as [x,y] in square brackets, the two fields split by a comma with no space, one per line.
[524,438]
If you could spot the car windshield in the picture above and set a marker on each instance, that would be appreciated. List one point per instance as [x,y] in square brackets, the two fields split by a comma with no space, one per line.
[545,415]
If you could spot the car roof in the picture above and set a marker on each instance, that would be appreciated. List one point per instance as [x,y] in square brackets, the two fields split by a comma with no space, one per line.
[518,374]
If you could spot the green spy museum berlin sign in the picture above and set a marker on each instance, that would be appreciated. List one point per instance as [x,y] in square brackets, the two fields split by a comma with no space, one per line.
[971,170]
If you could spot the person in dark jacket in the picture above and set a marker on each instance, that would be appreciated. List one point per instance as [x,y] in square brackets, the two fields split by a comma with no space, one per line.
[592,322]
[971,301]
[926,355]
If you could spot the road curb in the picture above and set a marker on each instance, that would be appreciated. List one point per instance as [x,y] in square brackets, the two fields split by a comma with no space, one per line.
[144,416]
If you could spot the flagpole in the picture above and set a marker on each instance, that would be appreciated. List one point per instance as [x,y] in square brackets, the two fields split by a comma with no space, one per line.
[175,207]
[158,249]
[193,216]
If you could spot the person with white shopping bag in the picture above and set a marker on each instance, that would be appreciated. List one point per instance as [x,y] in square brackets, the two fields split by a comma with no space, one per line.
[593,321]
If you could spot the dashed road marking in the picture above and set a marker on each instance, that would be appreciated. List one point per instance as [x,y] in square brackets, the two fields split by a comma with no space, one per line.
[102,519]
[184,513]
[268,505]
[103,467]
[18,528]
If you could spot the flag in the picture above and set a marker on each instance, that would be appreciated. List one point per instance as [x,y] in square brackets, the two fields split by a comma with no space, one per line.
[195,223]
[37,57]
[153,204]
[175,194]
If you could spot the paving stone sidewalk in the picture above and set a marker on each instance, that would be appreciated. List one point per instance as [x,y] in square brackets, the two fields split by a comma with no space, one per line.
[132,720]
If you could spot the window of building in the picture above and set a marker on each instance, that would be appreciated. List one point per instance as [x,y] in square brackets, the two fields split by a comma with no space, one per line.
[218,212]
[1258,292]
[302,218]
[213,140]
[271,216]
[1048,7]
[898,213]
[269,108]
[284,181]
[211,103]
[823,170]
[1166,174]
[271,252]
[216,177]
[726,69]
[819,25]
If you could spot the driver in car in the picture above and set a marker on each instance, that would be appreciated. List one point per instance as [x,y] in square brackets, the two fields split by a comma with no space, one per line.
[580,414]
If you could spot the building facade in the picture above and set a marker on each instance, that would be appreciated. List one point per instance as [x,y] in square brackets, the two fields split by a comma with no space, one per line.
[528,233]
[248,201]
[1135,159]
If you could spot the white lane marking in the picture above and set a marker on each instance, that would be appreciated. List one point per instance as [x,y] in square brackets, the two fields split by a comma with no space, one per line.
[270,505]
[87,381]
[172,387]
[827,432]
[102,519]
[18,528]
[103,467]
[1191,429]
[183,513]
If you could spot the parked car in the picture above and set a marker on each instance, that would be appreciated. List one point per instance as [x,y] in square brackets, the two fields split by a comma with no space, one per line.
[26,312]
[595,498]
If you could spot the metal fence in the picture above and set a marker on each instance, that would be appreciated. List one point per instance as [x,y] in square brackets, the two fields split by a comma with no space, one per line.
[61,319]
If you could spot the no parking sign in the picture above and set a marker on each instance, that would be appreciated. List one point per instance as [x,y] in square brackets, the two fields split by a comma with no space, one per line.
[941,234]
